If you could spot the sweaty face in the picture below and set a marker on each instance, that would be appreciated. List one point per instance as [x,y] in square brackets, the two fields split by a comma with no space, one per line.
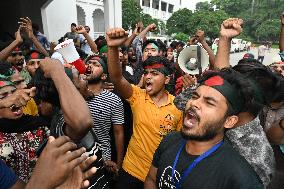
[32,66]
[150,50]
[154,81]
[94,70]
[204,115]
[17,60]
[13,112]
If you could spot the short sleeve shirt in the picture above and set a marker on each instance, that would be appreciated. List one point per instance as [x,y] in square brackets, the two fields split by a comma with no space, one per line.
[150,124]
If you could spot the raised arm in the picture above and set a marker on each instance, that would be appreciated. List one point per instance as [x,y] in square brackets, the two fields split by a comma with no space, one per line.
[201,39]
[6,52]
[26,24]
[281,42]
[135,33]
[151,28]
[82,30]
[76,114]
[230,28]
[115,38]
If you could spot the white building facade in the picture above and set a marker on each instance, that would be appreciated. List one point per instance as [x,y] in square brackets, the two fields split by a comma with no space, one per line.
[160,9]
[57,16]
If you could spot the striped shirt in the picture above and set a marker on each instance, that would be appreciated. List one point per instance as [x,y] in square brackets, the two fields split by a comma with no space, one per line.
[106,109]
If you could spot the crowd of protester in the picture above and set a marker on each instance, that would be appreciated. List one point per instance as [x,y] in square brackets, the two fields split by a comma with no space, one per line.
[134,119]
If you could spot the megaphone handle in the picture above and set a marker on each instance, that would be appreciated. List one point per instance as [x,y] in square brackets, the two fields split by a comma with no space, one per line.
[199,59]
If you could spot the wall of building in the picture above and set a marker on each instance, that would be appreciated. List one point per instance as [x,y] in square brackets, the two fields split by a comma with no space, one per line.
[57,16]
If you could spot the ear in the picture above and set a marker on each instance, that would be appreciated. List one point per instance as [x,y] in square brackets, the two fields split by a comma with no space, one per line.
[167,80]
[104,76]
[231,121]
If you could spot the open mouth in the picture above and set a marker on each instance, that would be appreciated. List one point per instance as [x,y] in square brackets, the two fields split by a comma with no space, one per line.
[148,85]
[88,71]
[16,110]
[191,119]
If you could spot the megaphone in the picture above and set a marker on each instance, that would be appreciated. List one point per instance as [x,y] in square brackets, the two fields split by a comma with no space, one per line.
[68,51]
[193,59]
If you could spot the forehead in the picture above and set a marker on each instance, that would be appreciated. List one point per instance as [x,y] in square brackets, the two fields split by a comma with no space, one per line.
[150,46]
[151,70]
[94,62]
[7,89]
[34,60]
[209,92]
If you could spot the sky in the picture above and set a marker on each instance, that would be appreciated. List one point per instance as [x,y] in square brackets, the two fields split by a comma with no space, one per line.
[190,4]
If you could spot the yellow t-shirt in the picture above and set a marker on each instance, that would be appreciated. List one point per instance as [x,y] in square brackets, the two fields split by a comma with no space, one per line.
[31,108]
[150,124]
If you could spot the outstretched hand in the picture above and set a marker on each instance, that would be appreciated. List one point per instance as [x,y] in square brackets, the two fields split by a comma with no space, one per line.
[18,36]
[231,28]
[115,37]
[26,25]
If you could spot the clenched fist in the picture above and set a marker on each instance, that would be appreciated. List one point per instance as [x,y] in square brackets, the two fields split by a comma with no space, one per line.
[115,37]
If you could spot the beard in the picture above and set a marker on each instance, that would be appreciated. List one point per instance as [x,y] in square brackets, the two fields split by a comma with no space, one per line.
[209,131]
[95,80]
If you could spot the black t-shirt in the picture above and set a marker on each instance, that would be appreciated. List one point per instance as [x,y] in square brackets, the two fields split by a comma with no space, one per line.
[93,147]
[224,168]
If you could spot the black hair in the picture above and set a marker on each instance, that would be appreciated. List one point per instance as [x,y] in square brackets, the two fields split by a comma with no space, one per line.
[100,42]
[158,59]
[173,44]
[73,24]
[270,84]
[148,42]
[242,86]
[162,46]
[5,68]
[45,89]
[180,43]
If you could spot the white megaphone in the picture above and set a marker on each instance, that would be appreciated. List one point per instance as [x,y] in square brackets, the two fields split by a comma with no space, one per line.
[68,51]
[193,59]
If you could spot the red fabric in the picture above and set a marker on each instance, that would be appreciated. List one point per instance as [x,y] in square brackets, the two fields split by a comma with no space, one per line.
[155,66]
[34,55]
[214,81]
[80,66]
[179,85]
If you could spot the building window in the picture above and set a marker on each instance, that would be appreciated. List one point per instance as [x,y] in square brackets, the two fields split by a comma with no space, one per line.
[156,4]
[146,3]
[163,6]
[171,8]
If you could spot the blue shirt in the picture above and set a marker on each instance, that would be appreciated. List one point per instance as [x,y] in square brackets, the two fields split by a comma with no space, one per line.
[7,177]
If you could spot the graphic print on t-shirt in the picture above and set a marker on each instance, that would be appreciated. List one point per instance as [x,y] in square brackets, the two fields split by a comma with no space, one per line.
[166,180]
[166,125]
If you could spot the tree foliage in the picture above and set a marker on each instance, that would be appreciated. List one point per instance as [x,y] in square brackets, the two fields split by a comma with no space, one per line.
[182,37]
[177,22]
[131,13]
[269,30]
[255,13]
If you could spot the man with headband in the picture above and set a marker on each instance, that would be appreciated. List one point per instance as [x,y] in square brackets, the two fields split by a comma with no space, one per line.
[200,156]
[154,114]
[107,112]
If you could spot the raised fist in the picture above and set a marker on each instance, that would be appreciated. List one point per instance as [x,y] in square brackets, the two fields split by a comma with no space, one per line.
[200,35]
[152,27]
[80,29]
[231,28]
[115,37]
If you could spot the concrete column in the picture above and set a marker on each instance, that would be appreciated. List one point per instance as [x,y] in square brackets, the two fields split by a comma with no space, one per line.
[113,13]
[151,4]
[141,3]
[89,20]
